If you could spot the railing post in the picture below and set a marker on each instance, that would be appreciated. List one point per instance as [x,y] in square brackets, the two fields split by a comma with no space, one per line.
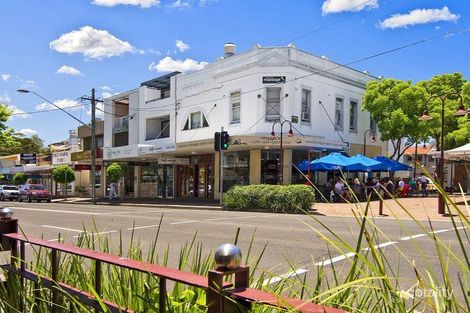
[98,281]
[214,297]
[54,268]
[162,295]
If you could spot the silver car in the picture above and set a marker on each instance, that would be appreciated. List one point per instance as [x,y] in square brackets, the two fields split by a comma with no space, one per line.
[9,192]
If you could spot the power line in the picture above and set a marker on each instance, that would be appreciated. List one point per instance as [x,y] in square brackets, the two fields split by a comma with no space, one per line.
[45,111]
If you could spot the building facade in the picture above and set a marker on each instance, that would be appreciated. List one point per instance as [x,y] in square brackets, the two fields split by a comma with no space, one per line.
[163,131]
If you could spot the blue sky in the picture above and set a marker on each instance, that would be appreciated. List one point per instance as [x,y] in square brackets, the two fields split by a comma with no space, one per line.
[63,48]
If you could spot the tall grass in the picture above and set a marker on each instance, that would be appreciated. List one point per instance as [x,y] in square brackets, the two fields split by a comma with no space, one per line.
[367,281]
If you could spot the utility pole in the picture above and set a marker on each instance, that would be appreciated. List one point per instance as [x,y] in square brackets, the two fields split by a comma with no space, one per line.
[93,146]
[221,168]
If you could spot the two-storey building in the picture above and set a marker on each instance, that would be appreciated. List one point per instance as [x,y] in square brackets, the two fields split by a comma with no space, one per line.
[164,129]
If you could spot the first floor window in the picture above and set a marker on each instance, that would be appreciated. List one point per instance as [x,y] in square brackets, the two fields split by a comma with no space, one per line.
[353,115]
[195,120]
[235,104]
[273,104]
[339,113]
[305,113]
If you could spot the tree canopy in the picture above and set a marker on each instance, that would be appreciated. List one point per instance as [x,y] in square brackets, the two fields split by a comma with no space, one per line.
[114,172]
[19,179]
[6,133]
[63,174]
[396,106]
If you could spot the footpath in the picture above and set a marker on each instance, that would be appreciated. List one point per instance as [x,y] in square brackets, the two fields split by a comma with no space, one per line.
[422,208]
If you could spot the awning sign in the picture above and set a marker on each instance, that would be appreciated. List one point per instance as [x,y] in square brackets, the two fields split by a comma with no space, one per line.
[274,79]
[62,157]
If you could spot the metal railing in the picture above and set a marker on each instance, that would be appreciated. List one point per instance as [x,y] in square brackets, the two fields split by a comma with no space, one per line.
[121,124]
[221,296]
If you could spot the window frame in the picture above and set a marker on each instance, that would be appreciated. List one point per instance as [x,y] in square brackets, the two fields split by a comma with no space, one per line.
[232,108]
[356,116]
[341,112]
[308,105]
[266,116]
[188,123]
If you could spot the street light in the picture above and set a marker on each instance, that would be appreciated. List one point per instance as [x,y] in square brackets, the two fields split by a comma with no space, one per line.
[93,134]
[290,133]
[372,139]
[426,117]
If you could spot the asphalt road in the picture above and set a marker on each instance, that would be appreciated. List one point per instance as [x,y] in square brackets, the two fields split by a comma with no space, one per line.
[293,241]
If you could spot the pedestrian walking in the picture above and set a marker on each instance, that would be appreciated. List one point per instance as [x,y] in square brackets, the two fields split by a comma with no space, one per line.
[424,185]
[112,191]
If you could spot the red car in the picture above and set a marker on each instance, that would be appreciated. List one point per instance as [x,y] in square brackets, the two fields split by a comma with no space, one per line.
[36,192]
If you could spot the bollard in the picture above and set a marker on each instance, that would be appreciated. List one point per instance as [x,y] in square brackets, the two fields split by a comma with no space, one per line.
[381,207]
[227,259]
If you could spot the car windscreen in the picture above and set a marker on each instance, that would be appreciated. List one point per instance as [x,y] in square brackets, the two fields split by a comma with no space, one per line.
[36,187]
[10,188]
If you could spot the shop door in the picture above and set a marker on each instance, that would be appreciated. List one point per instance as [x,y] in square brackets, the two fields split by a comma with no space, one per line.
[165,182]
[185,181]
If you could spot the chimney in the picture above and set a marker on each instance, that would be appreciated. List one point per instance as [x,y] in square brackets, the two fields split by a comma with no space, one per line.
[229,49]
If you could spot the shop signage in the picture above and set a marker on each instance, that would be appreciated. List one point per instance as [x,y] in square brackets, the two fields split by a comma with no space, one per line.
[86,167]
[28,158]
[81,155]
[120,152]
[156,149]
[294,119]
[5,171]
[274,79]
[299,141]
[180,161]
[61,157]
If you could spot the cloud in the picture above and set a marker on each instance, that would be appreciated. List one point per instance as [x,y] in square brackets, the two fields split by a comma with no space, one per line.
[93,43]
[167,64]
[181,46]
[178,4]
[69,70]
[5,77]
[28,132]
[17,112]
[203,3]
[5,98]
[337,6]
[106,88]
[142,3]
[29,84]
[99,107]
[419,16]
[62,103]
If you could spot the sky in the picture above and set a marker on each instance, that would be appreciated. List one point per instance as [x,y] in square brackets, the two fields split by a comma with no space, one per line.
[61,49]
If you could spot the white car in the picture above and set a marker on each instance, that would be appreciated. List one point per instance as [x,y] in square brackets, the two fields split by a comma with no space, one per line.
[9,192]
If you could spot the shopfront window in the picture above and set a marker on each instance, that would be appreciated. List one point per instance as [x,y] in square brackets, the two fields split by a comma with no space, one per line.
[270,167]
[156,181]
[236,169]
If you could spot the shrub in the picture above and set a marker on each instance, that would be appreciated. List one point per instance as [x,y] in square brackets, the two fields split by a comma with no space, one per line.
[114,172]
[272,198]
[19,179]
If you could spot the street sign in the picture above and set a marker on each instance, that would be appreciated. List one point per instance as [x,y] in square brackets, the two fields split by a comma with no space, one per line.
[274,79]
[28,158]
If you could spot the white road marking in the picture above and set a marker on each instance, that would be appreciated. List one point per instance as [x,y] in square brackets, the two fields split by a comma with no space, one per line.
[100,233]
[276,279]
[59,211]
[63,228]
[351,254]
[218,219]
[434,232]
[141,227]
[183,222]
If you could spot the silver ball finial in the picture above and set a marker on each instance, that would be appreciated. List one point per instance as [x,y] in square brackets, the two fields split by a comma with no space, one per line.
[6,213]
[227,257]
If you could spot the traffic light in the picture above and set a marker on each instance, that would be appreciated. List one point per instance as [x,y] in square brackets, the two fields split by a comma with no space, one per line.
[225,140]
[217,141]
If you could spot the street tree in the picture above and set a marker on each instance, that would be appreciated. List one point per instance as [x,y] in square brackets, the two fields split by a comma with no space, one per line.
[19,179]
[456,129]
[394,106]
[63,174]
[6,133]
[114,172]
[24,145]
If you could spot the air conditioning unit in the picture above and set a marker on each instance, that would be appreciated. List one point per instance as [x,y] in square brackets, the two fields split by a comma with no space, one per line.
[305,116]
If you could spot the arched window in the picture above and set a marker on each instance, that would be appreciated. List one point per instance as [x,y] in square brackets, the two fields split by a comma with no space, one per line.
[195,120]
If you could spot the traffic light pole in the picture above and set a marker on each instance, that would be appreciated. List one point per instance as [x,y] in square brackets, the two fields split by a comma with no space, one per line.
[221,181]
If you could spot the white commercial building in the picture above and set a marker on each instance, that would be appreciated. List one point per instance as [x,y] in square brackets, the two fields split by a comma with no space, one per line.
[164,129]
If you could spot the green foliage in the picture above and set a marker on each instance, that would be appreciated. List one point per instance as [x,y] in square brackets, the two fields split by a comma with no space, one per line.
[19,179]
[63,174]
[6,133]
[273,198]
[24,144]
[114,172]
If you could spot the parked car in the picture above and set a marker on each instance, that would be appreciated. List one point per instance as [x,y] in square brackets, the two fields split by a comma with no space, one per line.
[9,192]
[36,192]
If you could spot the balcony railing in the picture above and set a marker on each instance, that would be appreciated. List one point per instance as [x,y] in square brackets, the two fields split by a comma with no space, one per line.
[121,124]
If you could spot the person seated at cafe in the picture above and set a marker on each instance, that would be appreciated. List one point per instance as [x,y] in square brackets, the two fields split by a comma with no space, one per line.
[341,191]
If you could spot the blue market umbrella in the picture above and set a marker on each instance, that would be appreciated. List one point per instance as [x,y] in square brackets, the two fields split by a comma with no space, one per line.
[331,162]
[390,165]
[361,163]
[303,166]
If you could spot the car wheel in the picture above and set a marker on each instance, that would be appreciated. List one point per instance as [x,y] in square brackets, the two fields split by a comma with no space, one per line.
[20,199]
[30,199]
[49,200]
[11,199]
[2,197]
